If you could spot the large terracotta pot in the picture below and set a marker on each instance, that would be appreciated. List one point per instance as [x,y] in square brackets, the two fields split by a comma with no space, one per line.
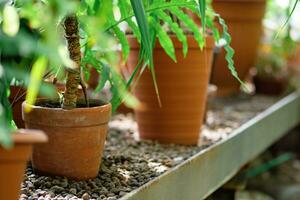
[244,20]
[13,162]
[183,92]
[76,139]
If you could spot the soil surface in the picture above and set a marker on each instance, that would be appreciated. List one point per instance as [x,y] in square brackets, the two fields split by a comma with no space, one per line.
[80,104]
[129,163]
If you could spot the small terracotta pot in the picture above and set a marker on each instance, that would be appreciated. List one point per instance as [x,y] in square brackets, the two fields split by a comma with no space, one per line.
[76,139]
[13,162]
[183,92]
[270,85]
[16,97]
[243,18]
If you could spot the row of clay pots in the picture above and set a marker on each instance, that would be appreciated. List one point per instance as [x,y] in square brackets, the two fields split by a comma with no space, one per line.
[76,137]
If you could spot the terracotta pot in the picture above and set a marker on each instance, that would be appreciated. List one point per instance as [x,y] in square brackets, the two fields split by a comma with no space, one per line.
[270,85]
[76,139]
[183,91]
[243,18]
[13,162]
[16,98]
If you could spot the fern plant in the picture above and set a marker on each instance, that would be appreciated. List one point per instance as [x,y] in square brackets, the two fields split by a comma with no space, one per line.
[160,15]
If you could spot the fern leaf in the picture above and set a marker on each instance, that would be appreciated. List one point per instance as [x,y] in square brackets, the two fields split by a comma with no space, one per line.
[229,50]
[163,39]
[175,28]
[125,11]
[190,24]
[123,41]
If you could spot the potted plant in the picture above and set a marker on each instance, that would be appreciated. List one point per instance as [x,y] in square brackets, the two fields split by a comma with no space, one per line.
[244,20]
[173,104]
[271,75]
[76,127]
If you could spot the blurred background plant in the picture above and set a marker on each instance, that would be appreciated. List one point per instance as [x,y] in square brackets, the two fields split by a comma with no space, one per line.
[280,44]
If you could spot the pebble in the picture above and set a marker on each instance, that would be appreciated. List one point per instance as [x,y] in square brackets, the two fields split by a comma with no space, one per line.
[128,163]
[85,196]
[73,191]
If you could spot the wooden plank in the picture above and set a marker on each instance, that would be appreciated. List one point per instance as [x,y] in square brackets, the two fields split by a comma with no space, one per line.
[208,170]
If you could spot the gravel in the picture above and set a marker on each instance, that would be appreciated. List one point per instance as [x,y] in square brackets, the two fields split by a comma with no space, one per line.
[129,163]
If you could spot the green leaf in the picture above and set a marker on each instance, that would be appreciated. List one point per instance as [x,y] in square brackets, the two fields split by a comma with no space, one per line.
[123,41]
[190,24]
[36,77]
[125,11]
[5,111]
[175,28]
[164,39]
[229,51]
[146,43]
[118,87]
[290,15]
[11,22]
[140,15]
[104,72]
[202,10]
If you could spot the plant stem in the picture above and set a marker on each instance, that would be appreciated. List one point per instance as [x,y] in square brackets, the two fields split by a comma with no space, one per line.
[73,76]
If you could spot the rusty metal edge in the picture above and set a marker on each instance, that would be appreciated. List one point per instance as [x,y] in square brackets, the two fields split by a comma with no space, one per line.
[203,173]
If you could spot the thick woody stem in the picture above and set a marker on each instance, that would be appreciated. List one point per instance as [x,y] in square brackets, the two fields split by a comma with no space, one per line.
[73,76]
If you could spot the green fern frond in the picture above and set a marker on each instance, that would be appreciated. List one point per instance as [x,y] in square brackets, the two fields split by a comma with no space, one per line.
[174,28]
[123,41]
[190,24]
[163,38]
[229,50]
[125,11]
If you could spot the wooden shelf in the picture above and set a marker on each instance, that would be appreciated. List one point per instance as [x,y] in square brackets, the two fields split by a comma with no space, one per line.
[205,172]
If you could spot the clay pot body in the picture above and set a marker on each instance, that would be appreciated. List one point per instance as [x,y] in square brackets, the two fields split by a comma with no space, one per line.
[13,162]
[16,97]
[183,92]
[270,85]
[76,139]
[244,20]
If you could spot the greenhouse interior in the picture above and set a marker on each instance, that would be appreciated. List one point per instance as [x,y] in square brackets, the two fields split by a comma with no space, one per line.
[149,99]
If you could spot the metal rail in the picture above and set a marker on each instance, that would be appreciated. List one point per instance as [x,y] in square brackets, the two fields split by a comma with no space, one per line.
[205,172]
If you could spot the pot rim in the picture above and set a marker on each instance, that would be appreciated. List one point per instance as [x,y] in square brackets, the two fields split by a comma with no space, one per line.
[105,105]
[28,136]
